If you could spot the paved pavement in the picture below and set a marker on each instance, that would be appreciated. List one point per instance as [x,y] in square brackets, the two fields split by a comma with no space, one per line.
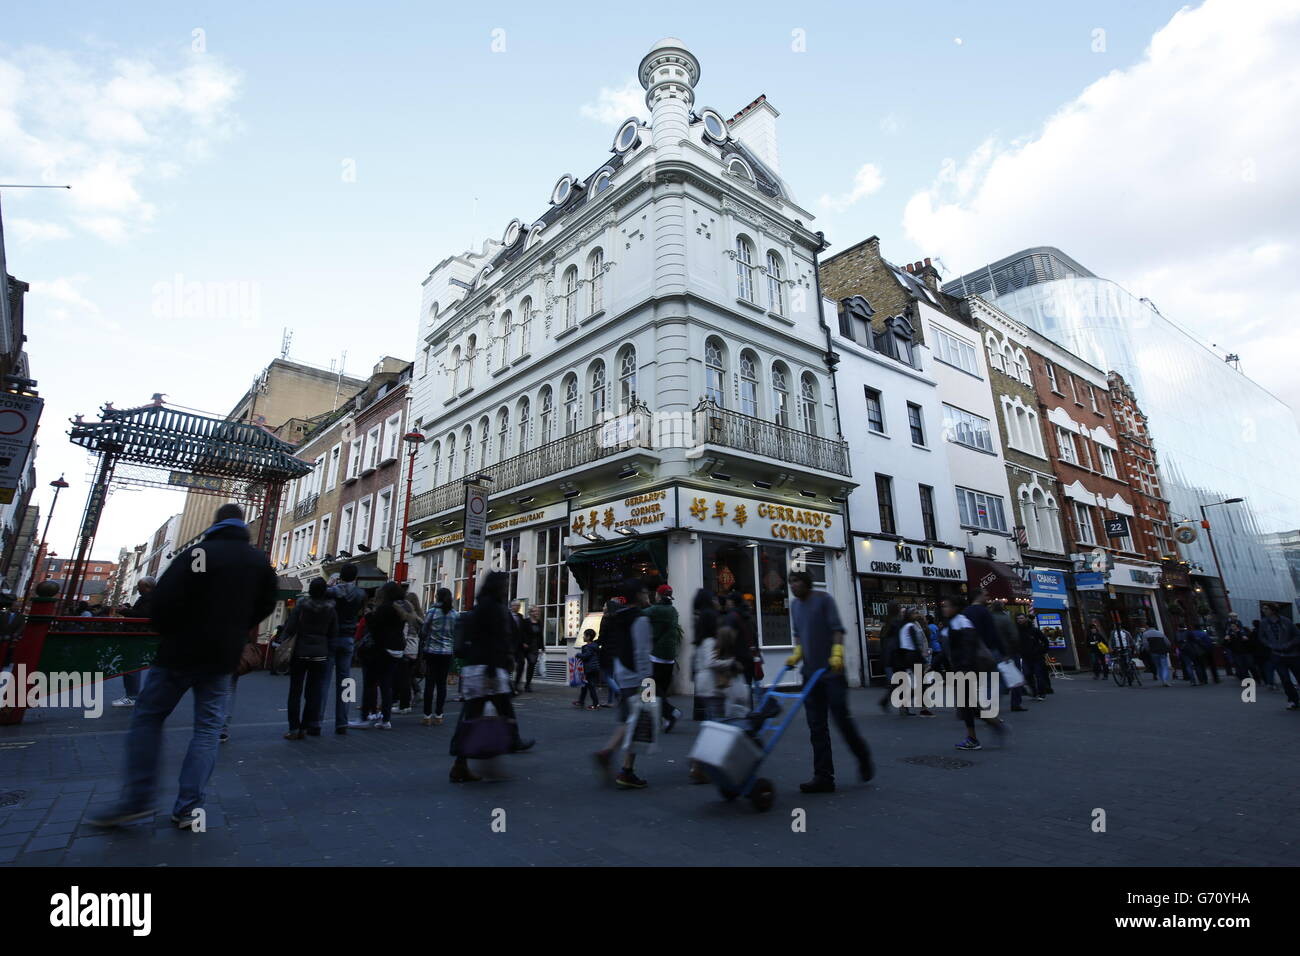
[1187,777]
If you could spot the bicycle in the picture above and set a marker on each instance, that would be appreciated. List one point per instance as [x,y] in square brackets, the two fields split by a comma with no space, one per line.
[1125,672]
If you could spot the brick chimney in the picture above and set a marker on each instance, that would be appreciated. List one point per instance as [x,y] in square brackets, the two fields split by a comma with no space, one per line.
[927,274]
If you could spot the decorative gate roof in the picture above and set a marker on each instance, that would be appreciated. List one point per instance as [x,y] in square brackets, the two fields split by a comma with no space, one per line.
[166,438]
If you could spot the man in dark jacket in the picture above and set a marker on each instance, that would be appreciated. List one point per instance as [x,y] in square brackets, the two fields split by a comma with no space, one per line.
[210,598]
[1009,638]
[349,600]
[1280,636]
[666,634]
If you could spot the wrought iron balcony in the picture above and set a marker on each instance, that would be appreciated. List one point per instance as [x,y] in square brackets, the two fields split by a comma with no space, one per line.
[591,444]
[715,425]
[305,507]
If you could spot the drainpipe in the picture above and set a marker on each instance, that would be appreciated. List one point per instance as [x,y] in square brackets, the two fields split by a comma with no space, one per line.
[848,526]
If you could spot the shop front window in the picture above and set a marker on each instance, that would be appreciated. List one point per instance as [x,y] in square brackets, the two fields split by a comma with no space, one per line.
[761,575]
[551,583]
[505,557]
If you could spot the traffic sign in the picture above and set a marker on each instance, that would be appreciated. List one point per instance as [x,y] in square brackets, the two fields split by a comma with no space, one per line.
[19,415]
[475,521]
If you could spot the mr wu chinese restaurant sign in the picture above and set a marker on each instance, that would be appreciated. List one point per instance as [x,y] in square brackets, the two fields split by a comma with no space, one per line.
[901,559]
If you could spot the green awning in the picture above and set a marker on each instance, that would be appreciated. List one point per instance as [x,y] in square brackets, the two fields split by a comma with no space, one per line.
[582,561]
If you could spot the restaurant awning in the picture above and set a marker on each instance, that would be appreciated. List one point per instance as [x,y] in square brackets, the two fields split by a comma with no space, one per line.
[583,561]
[998,579]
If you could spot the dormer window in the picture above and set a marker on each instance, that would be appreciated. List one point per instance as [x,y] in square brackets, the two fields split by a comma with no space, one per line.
[482,277]
[602,181]
[738,167]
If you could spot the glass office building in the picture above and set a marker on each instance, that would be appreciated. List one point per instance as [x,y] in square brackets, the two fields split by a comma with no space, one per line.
[1218,434]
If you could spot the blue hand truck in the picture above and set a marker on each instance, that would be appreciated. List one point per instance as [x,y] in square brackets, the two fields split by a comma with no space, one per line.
[732,751]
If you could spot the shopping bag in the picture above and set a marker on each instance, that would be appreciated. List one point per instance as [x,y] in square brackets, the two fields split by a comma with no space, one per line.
[482,738]
[1011,674]
[642,733]
[282,656]
[250,659]
[577,673]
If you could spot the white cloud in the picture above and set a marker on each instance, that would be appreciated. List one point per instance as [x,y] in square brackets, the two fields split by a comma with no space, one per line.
[109,127]
[72,303]
[28,230]
[866,181]
[1175,177]
[613,105]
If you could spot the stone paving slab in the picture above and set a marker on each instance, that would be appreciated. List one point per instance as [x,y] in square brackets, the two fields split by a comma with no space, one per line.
[1187,777]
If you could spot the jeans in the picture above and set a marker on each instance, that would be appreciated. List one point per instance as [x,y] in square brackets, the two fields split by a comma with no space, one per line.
[379,682]
[403,675]
[315,675]
[436,669]
[1161,669]
[1098,663]
[529,661]
[230,703]
[592,686]
[831,693]
[132,682]
[1207,662]
[663,678]
[1017,693]
[1199,664]
[1288,667]
[340,662]
[158,699]
[1247,666]
[1036,677]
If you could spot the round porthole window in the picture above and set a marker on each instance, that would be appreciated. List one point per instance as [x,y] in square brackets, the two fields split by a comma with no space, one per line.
[562,191]
[715,127]
[627,135]
[512,233]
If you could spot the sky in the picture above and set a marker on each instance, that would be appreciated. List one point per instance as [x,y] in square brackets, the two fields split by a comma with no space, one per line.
[304,166]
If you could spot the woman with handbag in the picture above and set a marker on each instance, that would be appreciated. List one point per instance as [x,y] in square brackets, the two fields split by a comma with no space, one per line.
[968,652]
[487,638]
[309,630]
[437,643]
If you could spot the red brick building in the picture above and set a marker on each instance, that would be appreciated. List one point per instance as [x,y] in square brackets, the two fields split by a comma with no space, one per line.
[1116,559]
[94,582]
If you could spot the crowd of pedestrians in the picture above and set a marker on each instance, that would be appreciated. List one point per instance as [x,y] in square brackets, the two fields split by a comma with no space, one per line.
[211,599]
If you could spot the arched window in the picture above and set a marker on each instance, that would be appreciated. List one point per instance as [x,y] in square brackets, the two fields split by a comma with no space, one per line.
[715,371]
[503,434]
[525,416]
[455,370]
[808,401]
[572,405]
[467,442]
[471,353]
[435,463]
[626,379]
[738,167]
[596,275]
[545,415]
[1009,362]
[781,395]
[451,456]
[745,268]
[775,287]
[506,320]
[525,324]
[749,384]
[596,379]
[1022,368]
[601,182]
[570,297]
[484,441]
[995,353]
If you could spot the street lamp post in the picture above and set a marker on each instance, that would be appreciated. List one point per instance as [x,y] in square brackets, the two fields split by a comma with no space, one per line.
[413,439]
[58,485]
[1209,536]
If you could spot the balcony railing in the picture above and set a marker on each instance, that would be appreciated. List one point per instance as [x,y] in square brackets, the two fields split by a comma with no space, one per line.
[720,426]
[305,507]
[583,447]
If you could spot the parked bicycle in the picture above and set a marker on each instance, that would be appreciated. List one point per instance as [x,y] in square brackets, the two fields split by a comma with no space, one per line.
[1125,671]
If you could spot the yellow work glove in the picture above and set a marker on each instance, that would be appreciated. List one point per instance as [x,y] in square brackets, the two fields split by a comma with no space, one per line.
[837,659]
[796,657]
